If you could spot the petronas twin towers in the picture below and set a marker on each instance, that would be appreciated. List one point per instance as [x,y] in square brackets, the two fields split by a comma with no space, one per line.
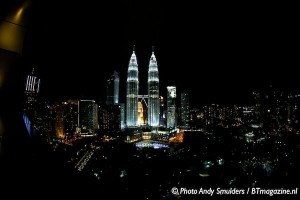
[133,90]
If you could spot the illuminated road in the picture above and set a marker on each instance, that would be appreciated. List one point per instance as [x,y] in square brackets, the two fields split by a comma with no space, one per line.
[84,160]
[152,144]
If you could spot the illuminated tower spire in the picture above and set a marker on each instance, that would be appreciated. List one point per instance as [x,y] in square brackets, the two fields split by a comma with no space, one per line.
[153,92]
[132,92]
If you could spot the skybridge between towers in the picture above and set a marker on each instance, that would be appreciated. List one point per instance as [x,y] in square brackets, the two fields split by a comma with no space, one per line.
[143,98]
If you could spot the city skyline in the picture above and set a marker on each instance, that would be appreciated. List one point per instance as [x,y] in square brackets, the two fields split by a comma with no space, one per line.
[87,105]
[229,48]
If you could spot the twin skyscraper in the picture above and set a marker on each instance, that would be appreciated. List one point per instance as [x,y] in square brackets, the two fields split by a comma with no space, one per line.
[132,93]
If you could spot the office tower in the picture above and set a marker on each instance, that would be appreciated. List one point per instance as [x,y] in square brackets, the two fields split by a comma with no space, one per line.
[87,117]
[132,92]
[171,107]
[185,109]
[32,89]
[122,115]
[112,89]
[47,126]
[58,109]
[102,118]
[153,92]
[162,112]
[109,118]
[70,117]
[65,115]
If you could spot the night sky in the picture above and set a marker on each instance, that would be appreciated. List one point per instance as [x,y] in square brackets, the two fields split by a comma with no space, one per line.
[218,52]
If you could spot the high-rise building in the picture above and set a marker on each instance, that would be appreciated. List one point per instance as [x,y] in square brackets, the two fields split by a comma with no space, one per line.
[87,117]
[132,92]
[171,107]
[32,83]
[112,89]
[47,126]
[58,119]
[32,89]
[162,112]
[153,92]
[109,118]
[70,117]
[122,115]
[185,109]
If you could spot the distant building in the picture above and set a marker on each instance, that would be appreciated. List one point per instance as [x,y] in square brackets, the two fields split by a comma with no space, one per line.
[171,107]
[185,109]
[212,113]
[162,112]
[122,115]
[109,118]
[196,117]
[70,117]
[46,118]
[32,89]
[58,119]
[113,106]
[274,107]
[88,119]
[112,89]
[65,115]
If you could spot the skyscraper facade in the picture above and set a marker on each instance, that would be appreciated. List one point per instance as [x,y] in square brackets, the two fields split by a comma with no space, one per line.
[70,117]
[88,116]
[58,110]
[32,89]
[122,115]
[153,92]
[162,112]
[32,83]
[132,92]
[112,89]
[185,109]
[171,107]
[109,118]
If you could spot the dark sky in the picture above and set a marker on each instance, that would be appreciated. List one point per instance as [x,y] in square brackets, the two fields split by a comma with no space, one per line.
[217,52]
